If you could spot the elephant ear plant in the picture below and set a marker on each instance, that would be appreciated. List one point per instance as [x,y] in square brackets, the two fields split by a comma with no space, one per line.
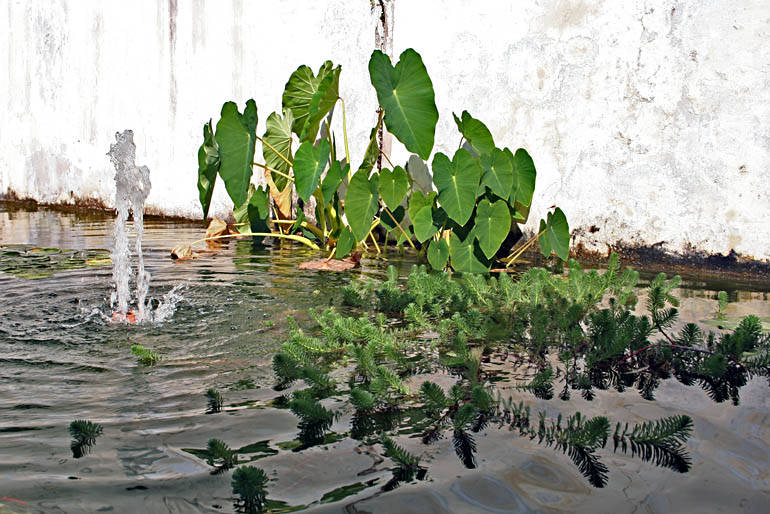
[459,215]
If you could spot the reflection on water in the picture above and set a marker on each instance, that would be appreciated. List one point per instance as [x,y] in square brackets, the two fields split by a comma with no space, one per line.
[61,361]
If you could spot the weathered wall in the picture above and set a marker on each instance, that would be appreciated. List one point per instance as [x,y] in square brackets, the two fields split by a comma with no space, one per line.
[647,120]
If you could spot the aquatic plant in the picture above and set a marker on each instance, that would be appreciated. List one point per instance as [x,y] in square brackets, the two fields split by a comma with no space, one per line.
[250,484]
[568,332]
[144,356]
[215,401]
[481,191]
[220,456]
[721,304]
[84,434]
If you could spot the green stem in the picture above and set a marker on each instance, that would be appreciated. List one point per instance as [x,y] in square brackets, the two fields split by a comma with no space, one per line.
[279,154]
[271,170]
[409,239]
[305,241]
[345,134]
[517,254]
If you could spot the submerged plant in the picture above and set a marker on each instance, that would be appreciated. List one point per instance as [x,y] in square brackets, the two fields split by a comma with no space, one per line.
[84,434]
[220,456]
[576,332]
[215,400]
[250,484]
[144,356]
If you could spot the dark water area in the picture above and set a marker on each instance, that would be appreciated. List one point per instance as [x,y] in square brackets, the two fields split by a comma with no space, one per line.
[62,359]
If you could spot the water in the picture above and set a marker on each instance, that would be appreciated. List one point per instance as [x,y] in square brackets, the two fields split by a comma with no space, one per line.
[61,360]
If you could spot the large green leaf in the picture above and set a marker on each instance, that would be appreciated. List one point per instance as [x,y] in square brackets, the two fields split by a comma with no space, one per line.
[438,254]
[466,255]
[524,175]
[321,103]
[476,133]
[235,136]
[421,214]
[372,152]
[419,173]
[208,166]
[556,235]
[332,180]
[390,218]
[498,173]
[393,186]
[361,203]
[406,93]
[457,181]
[493,221]
[345,243]
[300,92]
[278,135]
[258,208]
[309,163]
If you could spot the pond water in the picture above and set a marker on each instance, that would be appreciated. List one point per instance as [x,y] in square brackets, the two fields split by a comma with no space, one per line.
[61,359]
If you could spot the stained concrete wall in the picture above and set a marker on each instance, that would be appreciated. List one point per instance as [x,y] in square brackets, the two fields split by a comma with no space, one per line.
[649,121]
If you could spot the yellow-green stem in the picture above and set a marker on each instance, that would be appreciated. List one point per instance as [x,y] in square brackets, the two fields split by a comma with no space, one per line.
[299,239]
[271,170]
[279,154]
[345,133]
[409,239]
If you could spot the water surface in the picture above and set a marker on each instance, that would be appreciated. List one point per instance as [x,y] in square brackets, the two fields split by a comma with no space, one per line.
[61,359]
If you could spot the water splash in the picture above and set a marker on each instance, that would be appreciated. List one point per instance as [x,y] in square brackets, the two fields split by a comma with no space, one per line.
[132,186]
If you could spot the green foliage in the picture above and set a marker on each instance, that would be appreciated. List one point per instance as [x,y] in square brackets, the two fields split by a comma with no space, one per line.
[250,484]
[661,441]
[405,91]
[220,456]
[579,330]
[315,419]
[144,356]
[236,137]
[721,304]
[215,400]
[208,167]
[482,190]
[84,434]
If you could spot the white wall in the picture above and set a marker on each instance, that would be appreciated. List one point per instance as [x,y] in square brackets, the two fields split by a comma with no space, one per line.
[649,120]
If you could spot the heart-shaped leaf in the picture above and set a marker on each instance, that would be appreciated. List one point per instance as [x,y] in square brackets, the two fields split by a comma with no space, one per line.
[309,163]
[406,93]
[235,136]
[498,173]
[208,166]
[278,135]
[524,175]
[493,221]
[457,182]
[361,203]
[259,210]
[389,218]
[420,174]
[466,255]
[299,94]
[322,103]
[421,214]
[476,133]
[345,243]
[438,254]
[556,236]
[393,186]
[332,180]
[372,152]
